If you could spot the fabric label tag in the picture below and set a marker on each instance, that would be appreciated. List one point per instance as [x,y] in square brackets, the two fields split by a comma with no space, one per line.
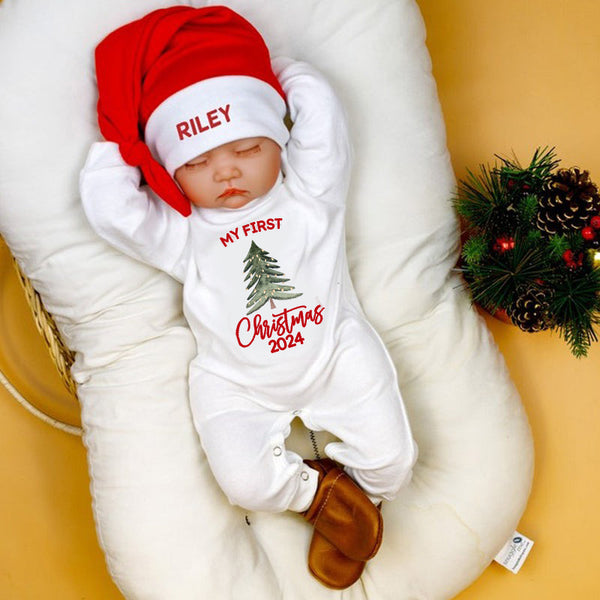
[514,552]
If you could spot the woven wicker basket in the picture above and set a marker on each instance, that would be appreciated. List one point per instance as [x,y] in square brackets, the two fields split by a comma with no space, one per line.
[61,356]
[42,396]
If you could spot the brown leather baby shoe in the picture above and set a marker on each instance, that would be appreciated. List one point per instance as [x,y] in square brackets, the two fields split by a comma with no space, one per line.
[330,566]
[343,514]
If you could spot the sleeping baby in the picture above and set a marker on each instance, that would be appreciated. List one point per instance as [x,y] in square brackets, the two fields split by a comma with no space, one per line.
[249,216]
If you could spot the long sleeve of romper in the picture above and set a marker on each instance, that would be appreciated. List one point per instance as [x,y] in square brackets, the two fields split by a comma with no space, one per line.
[318,154]
[129,217]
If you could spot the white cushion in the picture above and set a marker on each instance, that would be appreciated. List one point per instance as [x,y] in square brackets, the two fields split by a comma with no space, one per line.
[166,529]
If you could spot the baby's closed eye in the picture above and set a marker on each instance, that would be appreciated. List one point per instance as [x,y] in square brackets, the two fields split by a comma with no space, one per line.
[248,151]
[197,163]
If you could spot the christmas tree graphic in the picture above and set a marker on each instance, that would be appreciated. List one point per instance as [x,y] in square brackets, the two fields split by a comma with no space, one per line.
[265,279]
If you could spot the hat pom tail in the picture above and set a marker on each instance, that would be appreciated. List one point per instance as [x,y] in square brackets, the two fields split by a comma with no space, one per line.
[164,185]
[137,154]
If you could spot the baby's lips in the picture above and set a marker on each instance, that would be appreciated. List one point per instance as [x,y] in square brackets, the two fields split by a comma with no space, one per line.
[232,192]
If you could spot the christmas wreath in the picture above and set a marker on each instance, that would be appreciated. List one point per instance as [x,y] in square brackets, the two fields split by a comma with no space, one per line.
[531,250]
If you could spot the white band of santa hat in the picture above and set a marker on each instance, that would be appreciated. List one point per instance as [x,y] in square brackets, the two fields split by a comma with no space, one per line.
[181,81]
[211,113]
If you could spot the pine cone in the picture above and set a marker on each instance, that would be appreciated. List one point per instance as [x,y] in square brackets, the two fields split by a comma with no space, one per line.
[503,220]
[569,199]
[530,310]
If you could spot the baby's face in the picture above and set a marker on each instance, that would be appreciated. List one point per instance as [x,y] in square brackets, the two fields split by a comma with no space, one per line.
[231,175]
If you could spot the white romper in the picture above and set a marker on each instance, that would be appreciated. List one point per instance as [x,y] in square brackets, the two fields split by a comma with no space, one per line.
[267,294]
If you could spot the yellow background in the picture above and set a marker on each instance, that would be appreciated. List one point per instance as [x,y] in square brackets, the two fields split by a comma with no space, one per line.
[511,75]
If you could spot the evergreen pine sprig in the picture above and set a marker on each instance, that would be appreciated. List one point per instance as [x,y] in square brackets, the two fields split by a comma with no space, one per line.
[542,163]
[575,306]
[495,282]
[475,249]
[557,245]
[478,196]
[528,207]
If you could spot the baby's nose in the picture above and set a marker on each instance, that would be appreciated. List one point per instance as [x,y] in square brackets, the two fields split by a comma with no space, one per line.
[226,171]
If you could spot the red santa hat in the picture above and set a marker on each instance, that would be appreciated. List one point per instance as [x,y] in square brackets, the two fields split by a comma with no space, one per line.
[181,81]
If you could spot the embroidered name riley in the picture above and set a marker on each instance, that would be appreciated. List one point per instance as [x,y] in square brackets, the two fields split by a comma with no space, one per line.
[197,125]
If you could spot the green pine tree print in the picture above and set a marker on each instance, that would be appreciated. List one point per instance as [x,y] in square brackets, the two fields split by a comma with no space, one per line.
[265,279]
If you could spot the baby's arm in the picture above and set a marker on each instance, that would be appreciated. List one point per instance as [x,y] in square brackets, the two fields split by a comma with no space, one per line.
[132,219]
[319,151]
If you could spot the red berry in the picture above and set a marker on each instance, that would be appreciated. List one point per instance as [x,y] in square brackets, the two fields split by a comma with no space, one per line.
[595,222]
[568,255]
[587,233]
[503,244]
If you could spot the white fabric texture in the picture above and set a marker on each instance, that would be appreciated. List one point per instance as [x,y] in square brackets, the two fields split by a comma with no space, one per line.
[166,528]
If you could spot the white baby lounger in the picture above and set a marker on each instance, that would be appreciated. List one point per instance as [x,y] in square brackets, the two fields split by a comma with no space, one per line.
[167,530]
